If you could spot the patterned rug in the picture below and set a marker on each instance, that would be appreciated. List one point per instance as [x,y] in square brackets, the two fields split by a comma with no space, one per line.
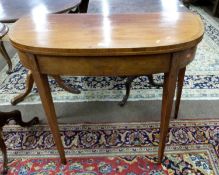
[201,81]
[122,148]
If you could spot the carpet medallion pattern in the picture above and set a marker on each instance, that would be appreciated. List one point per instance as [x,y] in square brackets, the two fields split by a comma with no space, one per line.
[201,81]
[122,148]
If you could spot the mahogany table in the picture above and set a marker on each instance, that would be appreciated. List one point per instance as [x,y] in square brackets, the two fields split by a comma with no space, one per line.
[108,46]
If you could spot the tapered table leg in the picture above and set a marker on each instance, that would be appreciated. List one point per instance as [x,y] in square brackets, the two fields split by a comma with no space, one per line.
[47,102]
[29,86]
[167,102]
[180,81]
[6,57]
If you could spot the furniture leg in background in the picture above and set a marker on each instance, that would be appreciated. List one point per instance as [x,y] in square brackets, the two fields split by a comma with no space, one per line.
[3,31]
[83,6]
[216,8]
[215,3]
[29,87]
[128,85]
[5,117]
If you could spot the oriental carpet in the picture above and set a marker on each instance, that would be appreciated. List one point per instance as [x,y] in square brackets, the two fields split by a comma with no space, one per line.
[116,148]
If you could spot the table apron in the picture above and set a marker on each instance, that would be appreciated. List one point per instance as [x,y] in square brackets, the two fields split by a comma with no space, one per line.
[107,65]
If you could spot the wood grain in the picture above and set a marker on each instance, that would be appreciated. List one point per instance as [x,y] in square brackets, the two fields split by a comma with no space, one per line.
[119,34]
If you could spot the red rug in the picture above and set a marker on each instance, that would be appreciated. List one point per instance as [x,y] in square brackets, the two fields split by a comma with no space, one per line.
[122,148]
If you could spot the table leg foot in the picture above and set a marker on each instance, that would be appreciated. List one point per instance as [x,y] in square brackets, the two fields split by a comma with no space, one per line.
[62,84]
[127,87]
[180,81]
[152,82]
[18,120]
[63,161]
[167,102]
[6,57]
[29,86]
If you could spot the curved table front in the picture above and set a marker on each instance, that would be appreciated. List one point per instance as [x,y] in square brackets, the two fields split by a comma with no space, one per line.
[108,45]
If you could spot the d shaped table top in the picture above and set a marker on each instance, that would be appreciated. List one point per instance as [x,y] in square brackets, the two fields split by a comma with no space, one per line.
[117,34]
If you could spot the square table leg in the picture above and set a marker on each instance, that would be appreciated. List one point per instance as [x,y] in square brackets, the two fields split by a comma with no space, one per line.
[42,84]
[180,82]
[170,79]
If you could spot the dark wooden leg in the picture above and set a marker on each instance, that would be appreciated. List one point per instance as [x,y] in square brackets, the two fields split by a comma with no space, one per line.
[15,115]
[127,87]
[152,82]
[62,84]
[180,81]
[83,6]
[6,57]
[216,8]
[167,102]
[4,153]
[128,84]
[42,84]
[5,117]
[29,86]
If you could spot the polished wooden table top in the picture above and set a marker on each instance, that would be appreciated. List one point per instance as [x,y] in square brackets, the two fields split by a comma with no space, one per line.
[118,34]
[12,10]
